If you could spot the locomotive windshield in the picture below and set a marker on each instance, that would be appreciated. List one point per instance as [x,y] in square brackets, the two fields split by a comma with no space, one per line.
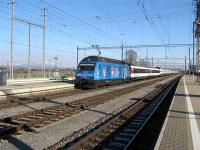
[86,67]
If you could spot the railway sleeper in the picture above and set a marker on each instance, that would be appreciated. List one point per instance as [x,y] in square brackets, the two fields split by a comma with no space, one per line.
[132,126]
[123,134]
[18,122]
[128,130]
[121,139]
[26,119]
[139,120]
[40,115]
[116,146]
[35,117]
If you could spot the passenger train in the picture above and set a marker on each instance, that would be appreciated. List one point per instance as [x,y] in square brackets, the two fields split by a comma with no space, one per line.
[94,71]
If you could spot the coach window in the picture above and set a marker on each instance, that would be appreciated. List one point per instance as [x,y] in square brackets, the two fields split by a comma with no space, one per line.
[86,68]
[135,70]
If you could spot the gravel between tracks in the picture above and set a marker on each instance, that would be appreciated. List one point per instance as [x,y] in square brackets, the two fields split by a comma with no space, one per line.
[48,135]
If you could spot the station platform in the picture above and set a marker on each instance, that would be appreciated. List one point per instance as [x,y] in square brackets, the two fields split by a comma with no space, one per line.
[32,85]
[24,81]
[182,124]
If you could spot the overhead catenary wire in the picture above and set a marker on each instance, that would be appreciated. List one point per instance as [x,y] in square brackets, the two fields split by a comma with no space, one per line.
[81,20]
[150,20]
[114,20]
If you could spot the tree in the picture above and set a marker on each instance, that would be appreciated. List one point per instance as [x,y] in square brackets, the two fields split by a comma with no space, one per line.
[131,57]
[143,63]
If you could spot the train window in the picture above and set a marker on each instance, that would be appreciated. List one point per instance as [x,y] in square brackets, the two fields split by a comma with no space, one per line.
[155,71]
[86,67]
[142,70]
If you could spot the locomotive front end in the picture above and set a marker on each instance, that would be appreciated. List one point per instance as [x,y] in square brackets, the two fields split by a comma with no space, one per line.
[85,76]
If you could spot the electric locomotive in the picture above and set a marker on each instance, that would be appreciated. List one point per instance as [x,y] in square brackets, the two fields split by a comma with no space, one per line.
[95,71]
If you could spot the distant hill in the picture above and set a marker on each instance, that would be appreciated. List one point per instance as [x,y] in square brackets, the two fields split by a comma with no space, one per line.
[39,67]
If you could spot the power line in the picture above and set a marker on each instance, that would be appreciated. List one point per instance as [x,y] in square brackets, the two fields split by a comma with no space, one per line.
[149,19]
[36,46]
[137,46]
[74,26]
[77,18]
[99,8]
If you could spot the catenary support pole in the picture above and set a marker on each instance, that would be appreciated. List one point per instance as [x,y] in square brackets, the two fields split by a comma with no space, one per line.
[122,52]
[77,57]
[189,66]
[193,70]
[29,51]
[11,40]
[185,64]
[44,36]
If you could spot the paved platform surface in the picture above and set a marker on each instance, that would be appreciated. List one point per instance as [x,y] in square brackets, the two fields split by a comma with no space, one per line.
[33,85]
[17,81]
[182,124]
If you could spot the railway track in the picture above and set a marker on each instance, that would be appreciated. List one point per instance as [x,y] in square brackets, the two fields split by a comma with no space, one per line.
[41,117]
[120,131]
[13,100]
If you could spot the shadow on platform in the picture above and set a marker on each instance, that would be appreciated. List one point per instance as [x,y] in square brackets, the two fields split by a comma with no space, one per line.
[182,117]
[184,112]
[187,95]
[18,143]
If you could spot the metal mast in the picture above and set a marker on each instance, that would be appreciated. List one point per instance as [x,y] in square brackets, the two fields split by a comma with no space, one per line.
[11,41]
[29,51]
[44,28]
[30,23]
[197,35]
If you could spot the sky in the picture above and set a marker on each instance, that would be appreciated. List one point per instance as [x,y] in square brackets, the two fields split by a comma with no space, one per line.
[82,23]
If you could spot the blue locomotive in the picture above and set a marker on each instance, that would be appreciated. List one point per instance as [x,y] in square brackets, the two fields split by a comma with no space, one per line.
[94,71]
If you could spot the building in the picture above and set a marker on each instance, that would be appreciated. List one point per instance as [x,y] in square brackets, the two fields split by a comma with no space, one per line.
[3,76]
